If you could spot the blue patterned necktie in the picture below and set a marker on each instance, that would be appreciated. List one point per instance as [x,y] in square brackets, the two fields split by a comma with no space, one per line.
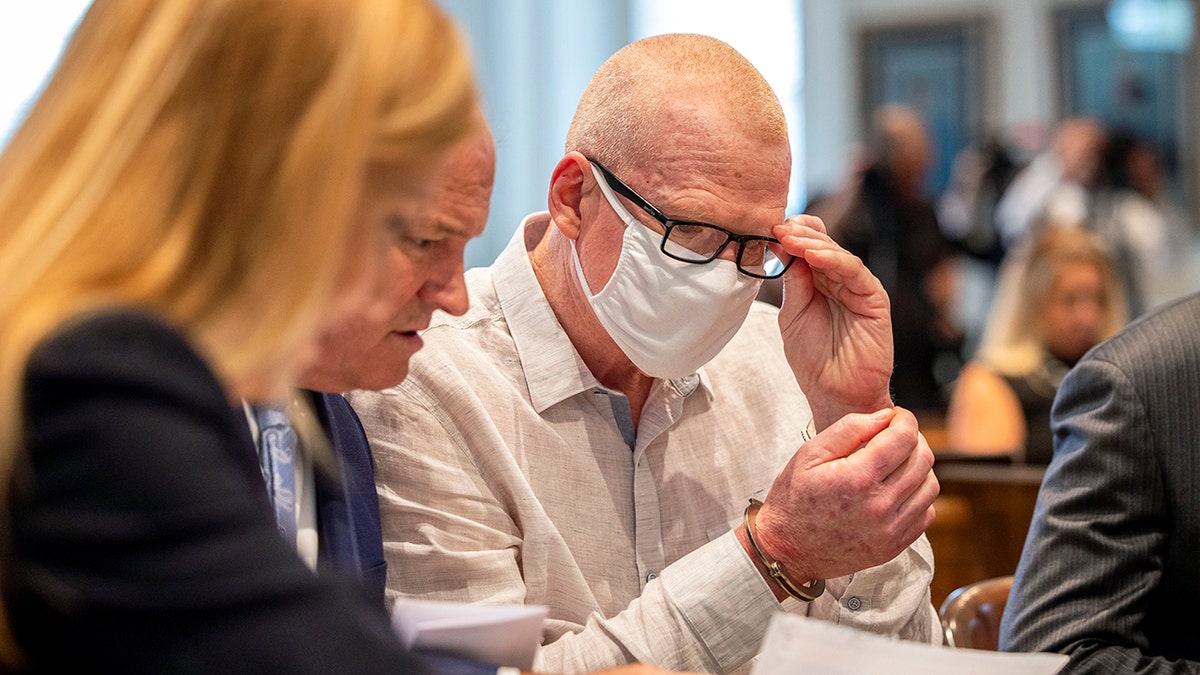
[277,459]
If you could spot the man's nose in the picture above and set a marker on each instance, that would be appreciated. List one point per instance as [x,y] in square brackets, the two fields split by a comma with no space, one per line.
[730,252]
[448,292]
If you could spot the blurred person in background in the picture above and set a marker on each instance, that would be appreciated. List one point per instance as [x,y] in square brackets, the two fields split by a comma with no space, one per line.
[967,215]
[1057,299]
[966,211]
[1148,229]
[1108,572]
[1058,186]
[884,218]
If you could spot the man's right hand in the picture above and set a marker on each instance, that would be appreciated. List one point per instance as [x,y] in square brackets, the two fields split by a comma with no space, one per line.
[853,497]
[836,324]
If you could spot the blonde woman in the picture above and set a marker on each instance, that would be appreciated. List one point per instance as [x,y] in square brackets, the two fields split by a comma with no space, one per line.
[179,209]
[1057,299]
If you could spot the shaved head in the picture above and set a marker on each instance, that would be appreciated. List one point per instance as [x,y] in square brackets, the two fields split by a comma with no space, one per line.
[669,81]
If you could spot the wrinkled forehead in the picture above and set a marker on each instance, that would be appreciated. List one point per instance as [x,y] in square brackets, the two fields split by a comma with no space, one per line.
[398,178]
[742,189]
[707,141]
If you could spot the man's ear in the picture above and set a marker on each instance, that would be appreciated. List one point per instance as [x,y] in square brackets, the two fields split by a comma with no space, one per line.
[566,193]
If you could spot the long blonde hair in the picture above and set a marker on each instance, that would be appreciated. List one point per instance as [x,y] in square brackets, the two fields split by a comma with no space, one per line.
[201,159]
[1012,343]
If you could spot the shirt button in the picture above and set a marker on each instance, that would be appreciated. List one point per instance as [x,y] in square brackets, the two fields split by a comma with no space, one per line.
[854,603]
[651,577]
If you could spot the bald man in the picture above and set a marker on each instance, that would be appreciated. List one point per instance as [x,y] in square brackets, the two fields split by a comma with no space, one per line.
[589,434]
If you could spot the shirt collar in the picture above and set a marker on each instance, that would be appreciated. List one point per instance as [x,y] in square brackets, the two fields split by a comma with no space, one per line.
[554,371]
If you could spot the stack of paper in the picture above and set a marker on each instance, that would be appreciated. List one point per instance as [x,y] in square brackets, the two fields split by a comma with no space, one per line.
[795,644]
[501,635]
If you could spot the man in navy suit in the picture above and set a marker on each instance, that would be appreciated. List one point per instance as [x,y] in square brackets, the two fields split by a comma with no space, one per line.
[372,349]
[348,509]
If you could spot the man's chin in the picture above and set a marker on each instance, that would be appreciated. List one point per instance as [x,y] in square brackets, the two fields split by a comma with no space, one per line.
[378,383]
[381,369]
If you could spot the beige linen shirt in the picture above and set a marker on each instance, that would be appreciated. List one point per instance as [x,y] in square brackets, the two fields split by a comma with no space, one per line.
[508,474]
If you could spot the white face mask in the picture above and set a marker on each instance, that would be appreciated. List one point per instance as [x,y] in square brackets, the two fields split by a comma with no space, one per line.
[668,316]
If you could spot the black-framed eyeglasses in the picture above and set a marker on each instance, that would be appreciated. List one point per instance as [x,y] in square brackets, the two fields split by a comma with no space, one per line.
[701,243]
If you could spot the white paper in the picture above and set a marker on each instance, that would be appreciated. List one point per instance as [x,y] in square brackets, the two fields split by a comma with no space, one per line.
[506,635]
[795,644]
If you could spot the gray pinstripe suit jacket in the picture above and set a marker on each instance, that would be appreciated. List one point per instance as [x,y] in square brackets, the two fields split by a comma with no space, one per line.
[1111,570]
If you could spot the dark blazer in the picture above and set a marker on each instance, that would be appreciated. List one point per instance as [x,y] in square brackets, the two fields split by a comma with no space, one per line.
[1110,573]
[142,540]
[348,509]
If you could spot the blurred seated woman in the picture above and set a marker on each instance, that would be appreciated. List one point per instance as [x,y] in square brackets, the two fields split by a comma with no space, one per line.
[1057,299]
[180,208]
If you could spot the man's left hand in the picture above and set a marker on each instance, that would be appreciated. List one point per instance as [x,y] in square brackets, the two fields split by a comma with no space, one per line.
[836,324]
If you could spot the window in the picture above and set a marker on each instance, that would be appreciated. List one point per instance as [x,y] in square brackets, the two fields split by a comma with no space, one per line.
[32,35]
